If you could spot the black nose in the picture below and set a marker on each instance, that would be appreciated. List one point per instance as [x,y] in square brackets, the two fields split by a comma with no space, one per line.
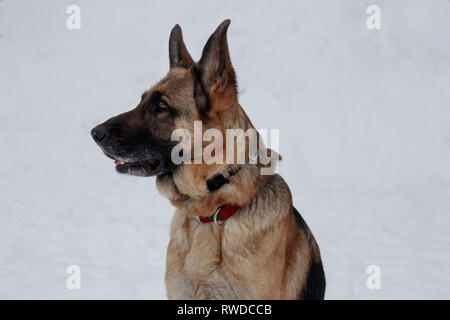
[99,133]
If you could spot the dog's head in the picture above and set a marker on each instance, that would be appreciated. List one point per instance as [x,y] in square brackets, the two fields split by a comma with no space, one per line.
[140,140]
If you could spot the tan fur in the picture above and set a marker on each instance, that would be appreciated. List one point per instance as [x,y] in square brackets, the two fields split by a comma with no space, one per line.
[263,251]
[259,253]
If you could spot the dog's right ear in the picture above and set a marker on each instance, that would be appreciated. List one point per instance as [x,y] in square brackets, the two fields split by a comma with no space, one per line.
[178,54]
[216,73]
[216,70]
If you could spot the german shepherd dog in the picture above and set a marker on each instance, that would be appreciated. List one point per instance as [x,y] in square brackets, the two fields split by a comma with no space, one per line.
[235,233]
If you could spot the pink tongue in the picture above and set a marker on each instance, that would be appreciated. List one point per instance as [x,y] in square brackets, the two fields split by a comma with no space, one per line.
[117,162]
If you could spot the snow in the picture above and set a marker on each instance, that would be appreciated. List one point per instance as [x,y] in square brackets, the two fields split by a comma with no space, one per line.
[364,120]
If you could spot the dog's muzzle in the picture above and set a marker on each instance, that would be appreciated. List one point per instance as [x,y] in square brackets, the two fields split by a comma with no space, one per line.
[137,160]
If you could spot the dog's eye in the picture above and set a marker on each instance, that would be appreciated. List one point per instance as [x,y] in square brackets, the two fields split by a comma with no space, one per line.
[162,105]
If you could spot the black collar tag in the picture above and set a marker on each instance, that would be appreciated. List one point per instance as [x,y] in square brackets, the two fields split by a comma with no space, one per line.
[219,180]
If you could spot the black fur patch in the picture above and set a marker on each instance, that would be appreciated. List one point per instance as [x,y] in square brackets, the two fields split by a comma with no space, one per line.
[315,281]
[299,220]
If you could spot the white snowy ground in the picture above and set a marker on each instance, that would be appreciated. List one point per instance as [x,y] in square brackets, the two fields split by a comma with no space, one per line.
[365,135]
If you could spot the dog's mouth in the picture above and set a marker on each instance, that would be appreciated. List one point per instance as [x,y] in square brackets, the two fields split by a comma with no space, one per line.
[145,168]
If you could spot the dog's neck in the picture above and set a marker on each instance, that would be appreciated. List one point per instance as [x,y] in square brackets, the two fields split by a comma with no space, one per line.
[199,189]
[187,188]
[219,180]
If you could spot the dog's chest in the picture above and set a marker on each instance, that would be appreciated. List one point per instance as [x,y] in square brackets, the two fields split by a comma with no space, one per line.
[200,264]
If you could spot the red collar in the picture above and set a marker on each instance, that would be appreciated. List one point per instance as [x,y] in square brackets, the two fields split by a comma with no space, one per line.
[222,214]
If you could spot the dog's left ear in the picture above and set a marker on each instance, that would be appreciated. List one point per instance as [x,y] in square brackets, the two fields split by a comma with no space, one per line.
[178,54]
[215,69]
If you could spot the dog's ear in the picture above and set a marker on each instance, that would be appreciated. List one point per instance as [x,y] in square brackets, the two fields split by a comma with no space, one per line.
[178,54]
[215,69]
